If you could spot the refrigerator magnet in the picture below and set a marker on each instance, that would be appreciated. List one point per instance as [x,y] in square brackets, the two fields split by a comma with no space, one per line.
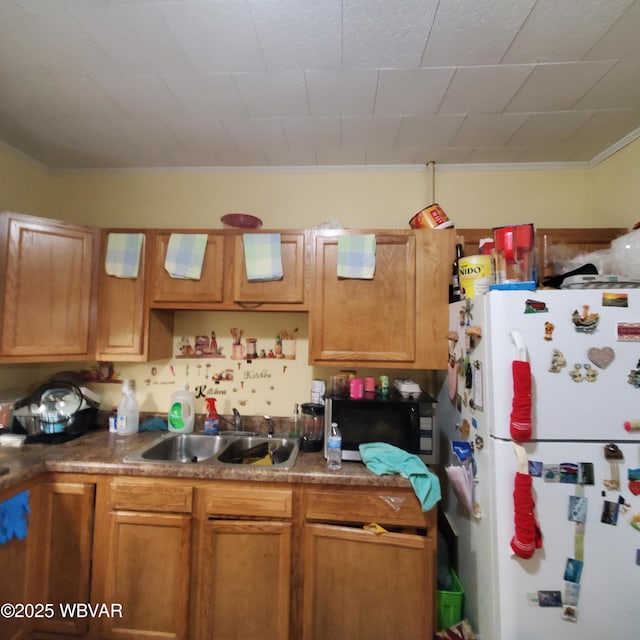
[610,511]
[585,322]
[602,357]
[558,361]
[634,376]
[548,330]
[628,331]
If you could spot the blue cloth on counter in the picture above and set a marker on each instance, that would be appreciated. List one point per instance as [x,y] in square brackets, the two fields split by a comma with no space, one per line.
[382,458]
[13,517]
[262,256]
[185,255]
[154,424]
[357,256]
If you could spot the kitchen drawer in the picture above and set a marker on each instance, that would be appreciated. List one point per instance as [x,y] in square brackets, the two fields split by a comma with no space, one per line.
[383,506]
[248,501]
[151,495]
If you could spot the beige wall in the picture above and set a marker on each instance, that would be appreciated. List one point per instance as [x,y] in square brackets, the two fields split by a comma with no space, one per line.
[606,195]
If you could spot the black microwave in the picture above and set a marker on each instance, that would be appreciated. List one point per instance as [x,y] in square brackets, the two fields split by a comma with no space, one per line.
[407,423]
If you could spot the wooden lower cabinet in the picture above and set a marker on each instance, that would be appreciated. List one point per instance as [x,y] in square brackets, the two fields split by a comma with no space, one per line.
[143,559]
[65,535]
[358,584]
[242,567]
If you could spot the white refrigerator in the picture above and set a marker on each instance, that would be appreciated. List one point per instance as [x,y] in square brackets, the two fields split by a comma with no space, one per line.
[582,579]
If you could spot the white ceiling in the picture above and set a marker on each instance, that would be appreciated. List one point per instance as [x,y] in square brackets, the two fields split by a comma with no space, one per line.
[221,83]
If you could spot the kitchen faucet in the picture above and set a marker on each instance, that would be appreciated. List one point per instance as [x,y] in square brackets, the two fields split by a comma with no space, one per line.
[237,420]
[270,431]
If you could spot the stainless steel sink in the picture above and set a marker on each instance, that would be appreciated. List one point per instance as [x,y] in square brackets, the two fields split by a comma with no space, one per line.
[263,451]
[250,451]
[180,448]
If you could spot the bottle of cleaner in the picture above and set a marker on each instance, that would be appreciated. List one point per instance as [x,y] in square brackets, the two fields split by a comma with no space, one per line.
[334,448]
[182,411]
[128,416]
[212,420]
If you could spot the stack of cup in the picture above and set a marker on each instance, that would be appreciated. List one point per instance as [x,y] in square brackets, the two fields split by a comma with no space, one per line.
[317,391]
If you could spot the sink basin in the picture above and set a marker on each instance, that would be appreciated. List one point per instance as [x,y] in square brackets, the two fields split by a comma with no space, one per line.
[261,451]
[185,448]
[251,451]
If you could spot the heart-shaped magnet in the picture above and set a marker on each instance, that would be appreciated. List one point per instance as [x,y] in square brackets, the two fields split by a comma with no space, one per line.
[601,357]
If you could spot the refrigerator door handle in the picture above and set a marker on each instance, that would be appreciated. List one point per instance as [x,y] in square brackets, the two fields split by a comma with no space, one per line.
[518,341]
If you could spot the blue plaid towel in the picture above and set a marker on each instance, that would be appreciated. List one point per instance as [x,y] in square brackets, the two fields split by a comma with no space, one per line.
[123,254]
[262,256]
[357,256]
[185,255]
[13,517]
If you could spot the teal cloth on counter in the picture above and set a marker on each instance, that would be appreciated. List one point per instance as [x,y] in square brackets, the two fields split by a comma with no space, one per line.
[357,256]
[262,256]
[185,255]
[154,424]
[382,459]
[13,517]
[123,254]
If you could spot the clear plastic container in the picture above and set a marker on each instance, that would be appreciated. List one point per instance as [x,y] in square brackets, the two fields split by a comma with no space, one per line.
[128,410]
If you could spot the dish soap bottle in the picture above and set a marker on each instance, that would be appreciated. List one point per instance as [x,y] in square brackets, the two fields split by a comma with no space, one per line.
[181,411]
[334,448]
[212,421]
[128,416]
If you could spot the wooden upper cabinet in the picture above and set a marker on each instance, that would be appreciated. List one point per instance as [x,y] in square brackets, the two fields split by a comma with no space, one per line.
[47,282]
[357,320]
[398,318]
[290,289]
[180,293]
[223,283]
[127,329]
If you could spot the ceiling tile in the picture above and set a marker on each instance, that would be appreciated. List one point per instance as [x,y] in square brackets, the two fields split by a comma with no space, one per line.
[604,129]
[212,94]
[485,130]
[257,133]
[402,26]
[415,91]
[622,40]
[370,131]
[464,31]
[201,134]
[349,93]
[563,31]
[273,93]
[299,34]
[481,155]
[556,87]
[215,36]
[446,155]
[468,93]
[312,132]
[619,88]
[434,131]
[134,36]
[550,129]
[140,95]
[342,156]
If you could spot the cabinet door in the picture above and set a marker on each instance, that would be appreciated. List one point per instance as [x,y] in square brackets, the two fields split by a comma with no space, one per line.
[365,321]
[361,585]
[19,573]
[182,293]
[243,580]
[148,574]
[289,290]
[127,330]
[65,542]
[48,279]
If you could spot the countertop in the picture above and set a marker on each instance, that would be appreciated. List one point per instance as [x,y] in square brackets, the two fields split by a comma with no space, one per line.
[101,452]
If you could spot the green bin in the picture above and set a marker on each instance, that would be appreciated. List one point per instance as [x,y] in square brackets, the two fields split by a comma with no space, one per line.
[450,603]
